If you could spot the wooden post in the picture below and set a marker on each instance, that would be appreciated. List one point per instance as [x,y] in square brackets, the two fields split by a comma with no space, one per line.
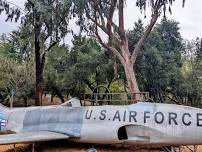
[33,147]
[14,148]
[195,148]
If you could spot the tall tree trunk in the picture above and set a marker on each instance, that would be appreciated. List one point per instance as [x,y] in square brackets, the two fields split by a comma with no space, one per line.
[39,55]
[51,97]
[39,88]
[132,82]
[128,65]
[39,75]
[39,60]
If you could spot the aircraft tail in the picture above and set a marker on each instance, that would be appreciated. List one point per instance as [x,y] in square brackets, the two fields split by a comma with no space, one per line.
[4,110]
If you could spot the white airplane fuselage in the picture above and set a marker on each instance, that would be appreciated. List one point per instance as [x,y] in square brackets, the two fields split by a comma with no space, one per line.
[141,123]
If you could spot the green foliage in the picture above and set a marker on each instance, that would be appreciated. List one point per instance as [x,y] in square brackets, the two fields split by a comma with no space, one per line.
[88,11]
[166,4]
[95,16]
[17,68]
[93,66]
[190,91]
[48,21]
[158,65]
[52,18]
[56,65]
[167,68]
[11,12]
[18,45]
[18,76]
[80,69]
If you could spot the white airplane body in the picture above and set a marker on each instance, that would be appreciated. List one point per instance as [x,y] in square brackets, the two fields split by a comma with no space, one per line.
[141,123]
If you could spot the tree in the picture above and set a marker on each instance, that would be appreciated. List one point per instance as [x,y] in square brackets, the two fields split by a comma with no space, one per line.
[92,65]
[172,58]
[83,68]
[49,23]
[190,91]
[16,64]
[18,45]
[18,76]
[47,19]
[96,16]
[55,71]
[159,63]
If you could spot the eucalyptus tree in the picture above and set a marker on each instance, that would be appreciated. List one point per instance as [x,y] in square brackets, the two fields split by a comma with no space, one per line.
[48,20]
[98,16]
[18,45]
[11,10]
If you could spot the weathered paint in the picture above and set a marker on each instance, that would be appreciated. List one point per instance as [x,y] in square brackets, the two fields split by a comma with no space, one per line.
[145,123]
[160,123]
[57,119]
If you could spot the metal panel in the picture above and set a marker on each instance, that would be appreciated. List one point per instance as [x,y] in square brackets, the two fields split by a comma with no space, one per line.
[60,119]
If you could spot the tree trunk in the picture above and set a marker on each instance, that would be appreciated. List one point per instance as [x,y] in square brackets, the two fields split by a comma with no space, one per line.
[39,79]
[39,60]
[52,95]
[25,101]
[132,83]
[39,93]
[58,93]
[128,65]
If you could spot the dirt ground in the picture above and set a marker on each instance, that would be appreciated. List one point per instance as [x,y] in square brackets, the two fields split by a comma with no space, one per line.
[65,146]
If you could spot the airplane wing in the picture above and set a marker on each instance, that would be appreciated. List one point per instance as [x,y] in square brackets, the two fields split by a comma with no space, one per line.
[27,137]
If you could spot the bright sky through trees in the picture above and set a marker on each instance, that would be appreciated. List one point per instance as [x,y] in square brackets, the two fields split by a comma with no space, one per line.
[189,17]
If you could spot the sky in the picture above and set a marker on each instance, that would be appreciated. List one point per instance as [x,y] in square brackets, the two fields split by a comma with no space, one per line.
[189,17]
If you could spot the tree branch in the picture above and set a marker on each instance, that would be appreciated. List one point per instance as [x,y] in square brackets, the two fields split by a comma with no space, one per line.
[144,37]
[99,25]
[52,45]
[23,11]
[114,51]
[89,84]
[121,20]
[110,18]
[31,3]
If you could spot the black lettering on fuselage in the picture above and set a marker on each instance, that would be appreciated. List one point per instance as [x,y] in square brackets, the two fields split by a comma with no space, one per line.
[172,118]
[199,119]
[103,114]
[183,119]
[146,116]
[88,116]
[132,114]
[117,116]
[159,117]
[124,116]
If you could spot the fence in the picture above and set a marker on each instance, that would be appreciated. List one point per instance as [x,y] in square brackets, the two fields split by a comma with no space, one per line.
[114,98]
